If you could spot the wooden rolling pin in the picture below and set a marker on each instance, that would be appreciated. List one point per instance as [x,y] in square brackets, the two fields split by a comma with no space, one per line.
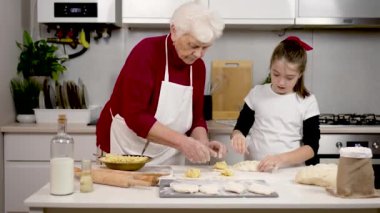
[120,178]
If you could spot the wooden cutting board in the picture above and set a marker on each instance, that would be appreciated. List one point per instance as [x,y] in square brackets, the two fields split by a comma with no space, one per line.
[231,80]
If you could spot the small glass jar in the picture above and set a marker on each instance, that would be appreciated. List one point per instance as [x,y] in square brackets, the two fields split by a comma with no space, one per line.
[86,183]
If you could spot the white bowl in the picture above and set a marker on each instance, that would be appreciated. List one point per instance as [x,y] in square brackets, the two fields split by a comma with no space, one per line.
[26,118]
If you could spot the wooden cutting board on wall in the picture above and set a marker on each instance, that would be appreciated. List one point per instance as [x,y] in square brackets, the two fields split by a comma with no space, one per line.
[231,80]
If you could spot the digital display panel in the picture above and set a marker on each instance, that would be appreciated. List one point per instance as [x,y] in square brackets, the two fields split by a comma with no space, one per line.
[67,10]
[357,143]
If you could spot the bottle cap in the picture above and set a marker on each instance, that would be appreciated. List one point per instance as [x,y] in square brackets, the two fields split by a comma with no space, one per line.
[61,118]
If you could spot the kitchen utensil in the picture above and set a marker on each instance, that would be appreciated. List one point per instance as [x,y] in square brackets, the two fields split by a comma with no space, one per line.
[120,178]
[41,100]
[231,82]
[73,96]
[127,166]
[58,95]
[52,93]
[45,91]
[64,95]
[82,94]
[145,146]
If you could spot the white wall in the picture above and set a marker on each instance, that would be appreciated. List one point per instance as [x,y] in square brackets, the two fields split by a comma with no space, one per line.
[346,71]
[343,69]
[11,25]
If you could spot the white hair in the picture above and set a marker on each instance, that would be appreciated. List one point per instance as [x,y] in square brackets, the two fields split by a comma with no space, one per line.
[195,19]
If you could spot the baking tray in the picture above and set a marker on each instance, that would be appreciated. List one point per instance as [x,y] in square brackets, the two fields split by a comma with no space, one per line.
[166,192]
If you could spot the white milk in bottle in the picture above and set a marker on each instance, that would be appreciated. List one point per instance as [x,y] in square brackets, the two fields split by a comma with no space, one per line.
[62,161]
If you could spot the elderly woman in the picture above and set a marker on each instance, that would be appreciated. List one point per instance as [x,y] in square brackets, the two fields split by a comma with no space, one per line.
[157,101]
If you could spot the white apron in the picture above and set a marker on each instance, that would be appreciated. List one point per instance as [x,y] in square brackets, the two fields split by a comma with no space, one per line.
[174,110]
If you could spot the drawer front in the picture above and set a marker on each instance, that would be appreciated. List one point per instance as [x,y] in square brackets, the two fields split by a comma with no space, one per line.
[22,180]
[36,147]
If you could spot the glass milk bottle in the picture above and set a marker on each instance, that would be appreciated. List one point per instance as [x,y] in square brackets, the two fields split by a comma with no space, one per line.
[62,161]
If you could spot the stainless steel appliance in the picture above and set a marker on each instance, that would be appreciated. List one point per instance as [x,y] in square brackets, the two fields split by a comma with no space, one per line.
[345,130]
[348,13]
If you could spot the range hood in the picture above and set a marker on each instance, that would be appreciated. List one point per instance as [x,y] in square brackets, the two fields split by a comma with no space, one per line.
[83,11]
[338,13]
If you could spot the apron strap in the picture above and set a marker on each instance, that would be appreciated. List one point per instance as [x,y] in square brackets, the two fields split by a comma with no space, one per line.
[166,59]
[111,113]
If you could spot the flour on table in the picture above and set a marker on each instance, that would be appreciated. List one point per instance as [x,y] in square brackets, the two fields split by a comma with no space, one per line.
[234,187]
[260,189]
[248,165]
[184,187]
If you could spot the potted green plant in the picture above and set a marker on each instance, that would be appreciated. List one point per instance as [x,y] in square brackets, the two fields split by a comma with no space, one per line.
[38,58]
[25,94]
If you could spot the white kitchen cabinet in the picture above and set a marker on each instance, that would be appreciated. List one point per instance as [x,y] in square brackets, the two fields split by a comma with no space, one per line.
[337,12]
[26,163]
[255,12]
[150,12]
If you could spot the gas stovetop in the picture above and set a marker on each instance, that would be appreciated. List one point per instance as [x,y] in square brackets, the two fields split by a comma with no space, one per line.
[349,119]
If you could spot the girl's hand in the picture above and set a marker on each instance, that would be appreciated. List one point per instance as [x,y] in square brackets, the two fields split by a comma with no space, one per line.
[270,163]
[238,142]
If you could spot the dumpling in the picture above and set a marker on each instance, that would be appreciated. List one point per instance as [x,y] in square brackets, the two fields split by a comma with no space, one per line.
[260,189]
[234,187]
[184,187]
[210,189]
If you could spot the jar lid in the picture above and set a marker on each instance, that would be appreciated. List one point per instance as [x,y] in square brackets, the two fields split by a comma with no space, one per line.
[356,152]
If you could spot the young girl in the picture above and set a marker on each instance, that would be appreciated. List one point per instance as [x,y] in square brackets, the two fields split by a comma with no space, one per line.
[281,118]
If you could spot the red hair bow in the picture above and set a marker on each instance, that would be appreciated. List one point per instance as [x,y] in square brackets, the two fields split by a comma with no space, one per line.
[300,42]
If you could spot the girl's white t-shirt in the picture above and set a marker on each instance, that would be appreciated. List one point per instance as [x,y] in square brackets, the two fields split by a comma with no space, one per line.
[278,120]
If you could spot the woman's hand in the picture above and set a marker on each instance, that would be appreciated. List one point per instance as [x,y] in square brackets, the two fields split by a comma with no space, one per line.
[270,163]
[217,149]
[195,151]
[238,142]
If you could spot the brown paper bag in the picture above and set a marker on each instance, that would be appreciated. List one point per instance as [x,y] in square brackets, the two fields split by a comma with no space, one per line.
[355,178]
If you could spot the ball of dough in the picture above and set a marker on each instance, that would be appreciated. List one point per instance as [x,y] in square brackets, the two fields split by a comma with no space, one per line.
[248,165]
[226,172]
[221,165]
[320,175]
[193,173]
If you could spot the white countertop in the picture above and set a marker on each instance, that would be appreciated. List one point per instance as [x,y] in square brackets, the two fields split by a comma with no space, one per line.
[215,127]
[291,196]
[226,127]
